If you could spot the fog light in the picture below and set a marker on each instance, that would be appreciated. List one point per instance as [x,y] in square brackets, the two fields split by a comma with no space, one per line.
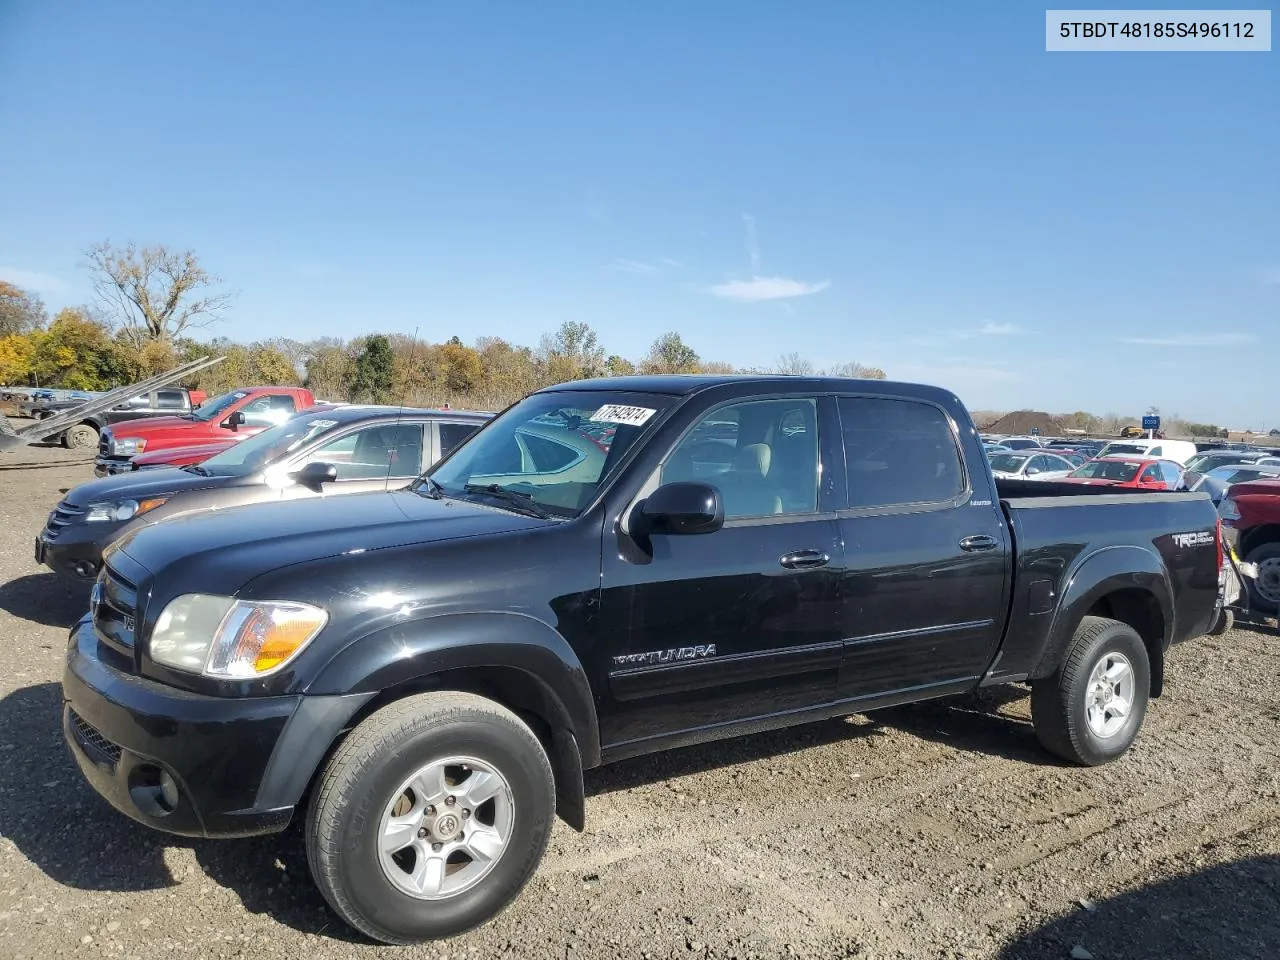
[168,791]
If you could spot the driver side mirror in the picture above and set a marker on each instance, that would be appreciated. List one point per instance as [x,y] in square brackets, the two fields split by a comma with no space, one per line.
[235,421]
[682,508]
[315,475]
[1032,471]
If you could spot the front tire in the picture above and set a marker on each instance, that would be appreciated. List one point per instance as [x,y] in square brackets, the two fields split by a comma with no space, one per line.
[1226,620]
[1264,592]
[430,817]
[80,436]
[1090,709]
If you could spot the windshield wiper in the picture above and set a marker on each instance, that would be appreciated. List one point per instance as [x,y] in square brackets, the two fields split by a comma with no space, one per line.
[522,502]
[197,469]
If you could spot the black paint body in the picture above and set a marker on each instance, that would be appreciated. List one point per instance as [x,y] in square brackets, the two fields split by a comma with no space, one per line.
[549,616]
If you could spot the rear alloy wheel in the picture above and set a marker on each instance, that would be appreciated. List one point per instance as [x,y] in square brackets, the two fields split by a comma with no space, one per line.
[1090,709]
[1264,590]
[79,437]
[430,817]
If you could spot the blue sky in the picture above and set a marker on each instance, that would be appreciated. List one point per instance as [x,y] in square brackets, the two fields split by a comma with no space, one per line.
[918,186]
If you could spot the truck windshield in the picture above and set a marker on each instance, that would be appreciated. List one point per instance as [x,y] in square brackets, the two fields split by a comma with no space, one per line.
[552,449]
[251,455]
[211,409]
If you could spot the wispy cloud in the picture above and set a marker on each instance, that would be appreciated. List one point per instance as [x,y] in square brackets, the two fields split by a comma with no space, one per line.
[766,288]
[993,329]
[988,328]
[634,266]
[33,280]
[1191,340]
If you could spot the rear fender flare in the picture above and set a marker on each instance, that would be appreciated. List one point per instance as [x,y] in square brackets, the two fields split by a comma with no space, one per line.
[1095,576]
[406,653]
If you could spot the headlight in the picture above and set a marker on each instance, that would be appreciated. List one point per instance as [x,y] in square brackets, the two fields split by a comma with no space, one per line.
[222,637]
[121,510]
[128,447]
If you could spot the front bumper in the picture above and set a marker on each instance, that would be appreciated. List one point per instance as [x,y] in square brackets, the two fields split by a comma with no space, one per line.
[236,766]
[75,550]
[110,466]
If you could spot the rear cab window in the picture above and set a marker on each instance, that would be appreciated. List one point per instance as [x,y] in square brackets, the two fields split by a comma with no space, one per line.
[899,452]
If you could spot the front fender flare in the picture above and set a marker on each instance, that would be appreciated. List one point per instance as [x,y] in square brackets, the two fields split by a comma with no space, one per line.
[406,652]
[1105,571]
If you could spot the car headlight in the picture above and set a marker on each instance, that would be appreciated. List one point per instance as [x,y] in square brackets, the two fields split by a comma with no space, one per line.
[223,637]
[120,510]
[128,447]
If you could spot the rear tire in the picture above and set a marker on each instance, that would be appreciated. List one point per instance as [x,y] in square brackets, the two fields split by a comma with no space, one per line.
[1090,709]
[1264,592]
[1226,620]
[387,785]
[80,436]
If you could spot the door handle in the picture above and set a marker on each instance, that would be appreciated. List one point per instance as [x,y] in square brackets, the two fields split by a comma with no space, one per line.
[804,559]
[979,542]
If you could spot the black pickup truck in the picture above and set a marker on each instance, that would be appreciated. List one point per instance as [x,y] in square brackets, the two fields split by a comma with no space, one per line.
[167,401]
[608,568]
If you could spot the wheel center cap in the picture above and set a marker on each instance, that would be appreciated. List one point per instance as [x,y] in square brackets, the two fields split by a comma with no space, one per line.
[446,826]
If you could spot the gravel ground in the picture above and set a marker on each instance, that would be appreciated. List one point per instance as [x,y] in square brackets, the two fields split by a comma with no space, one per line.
[939,830]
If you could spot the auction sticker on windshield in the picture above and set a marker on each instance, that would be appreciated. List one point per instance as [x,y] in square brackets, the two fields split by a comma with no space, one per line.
[617,413]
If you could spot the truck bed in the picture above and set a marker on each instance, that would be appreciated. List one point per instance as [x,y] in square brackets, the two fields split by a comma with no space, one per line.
[1067,536]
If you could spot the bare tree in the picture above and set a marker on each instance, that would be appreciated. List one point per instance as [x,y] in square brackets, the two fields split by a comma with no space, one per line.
[792,364]
[154,292]
[855,370]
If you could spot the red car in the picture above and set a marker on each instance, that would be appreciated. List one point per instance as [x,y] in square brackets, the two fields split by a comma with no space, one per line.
[1251,524]
[235,415]
[1132,472]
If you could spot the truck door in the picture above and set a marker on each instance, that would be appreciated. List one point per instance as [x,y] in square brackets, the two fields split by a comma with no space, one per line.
[926,564]
[709,629]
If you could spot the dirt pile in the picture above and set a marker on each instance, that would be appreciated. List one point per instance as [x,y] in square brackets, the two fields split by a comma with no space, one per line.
[1022,422]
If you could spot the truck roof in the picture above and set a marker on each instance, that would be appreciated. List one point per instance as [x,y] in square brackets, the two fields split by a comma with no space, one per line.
[358,411]
[686,384]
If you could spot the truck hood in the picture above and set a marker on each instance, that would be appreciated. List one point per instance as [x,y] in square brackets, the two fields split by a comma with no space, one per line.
[143,484]
[138,428]
[228,548]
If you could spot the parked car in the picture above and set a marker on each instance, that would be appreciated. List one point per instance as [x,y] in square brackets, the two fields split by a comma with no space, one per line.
[1134,472]
[1021,443]
[1219,480]
[167,401]
[241,412]
[351,449]
[1029,465]
[990,448]
[433,668]
[1179,451]
[1086,448]
[1250,513]
[1204,462]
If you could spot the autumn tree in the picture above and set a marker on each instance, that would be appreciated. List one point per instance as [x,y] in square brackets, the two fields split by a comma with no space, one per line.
[670,354]
[572,353]
[716,366]
[15,359]
[372,380]
[20,311]
[854,370]
[153,292]
[616,366]
[76,352]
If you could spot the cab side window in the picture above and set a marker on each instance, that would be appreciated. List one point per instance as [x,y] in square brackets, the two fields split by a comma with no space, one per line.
[269,410]
[761,454]
[383,450]
[899,452]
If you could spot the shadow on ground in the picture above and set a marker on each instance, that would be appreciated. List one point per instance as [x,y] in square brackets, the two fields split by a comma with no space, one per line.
[46,598]
[1227,911]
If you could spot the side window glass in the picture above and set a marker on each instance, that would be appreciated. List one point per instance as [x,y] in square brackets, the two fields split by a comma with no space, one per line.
[761,454]
[385,450]
[899,452]
[269,410]
[453,434]
[171,400]
[1155,452]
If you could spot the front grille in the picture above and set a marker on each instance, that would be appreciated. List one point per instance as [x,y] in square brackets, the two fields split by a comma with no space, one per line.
[114,606]
[64,514]
[93,742]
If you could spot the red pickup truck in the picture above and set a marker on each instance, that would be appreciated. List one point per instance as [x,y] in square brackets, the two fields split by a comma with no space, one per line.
[1250,514]
[234,415]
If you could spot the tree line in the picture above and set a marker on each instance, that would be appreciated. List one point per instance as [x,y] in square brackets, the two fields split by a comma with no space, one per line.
[151,301]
